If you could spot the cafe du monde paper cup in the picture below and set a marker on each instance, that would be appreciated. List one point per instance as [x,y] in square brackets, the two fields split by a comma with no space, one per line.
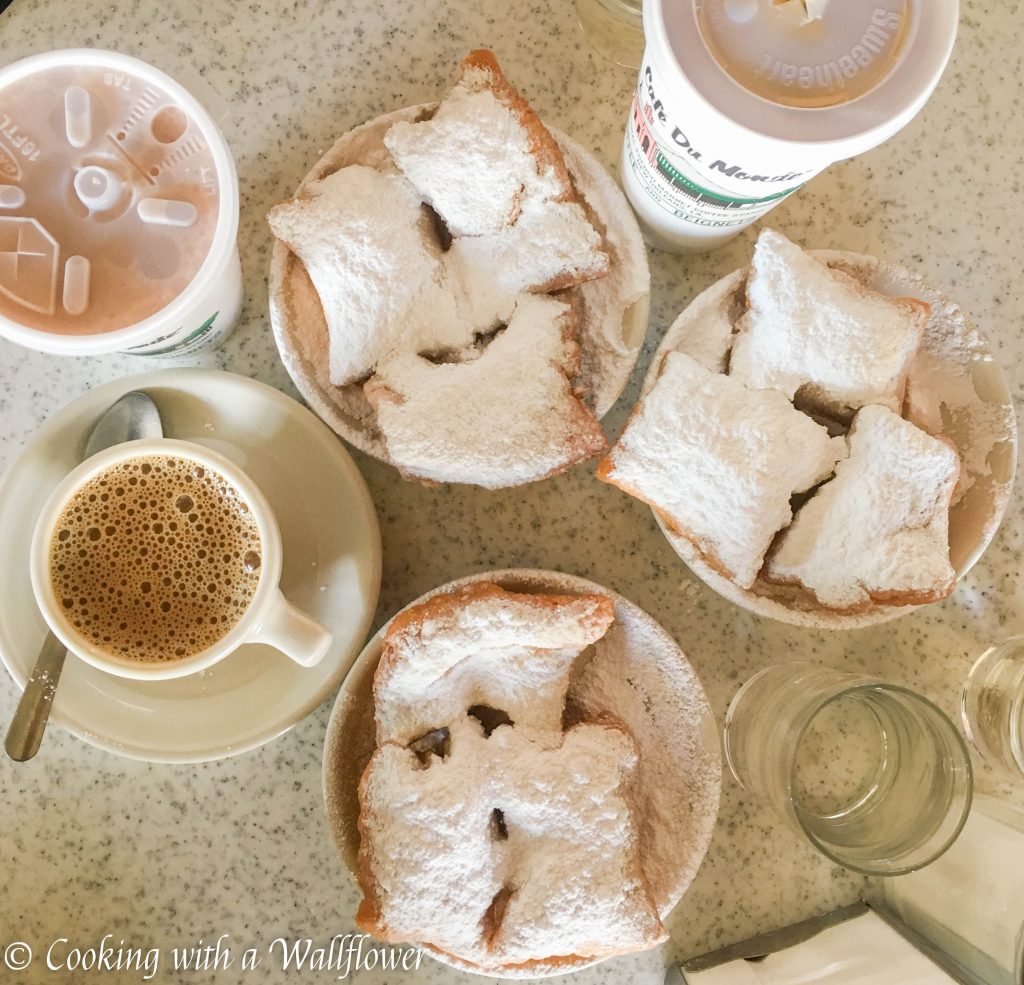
[741,102]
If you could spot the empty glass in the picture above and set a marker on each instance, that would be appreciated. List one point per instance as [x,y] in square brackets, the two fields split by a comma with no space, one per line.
[992,706]
[614,28]
[876,776]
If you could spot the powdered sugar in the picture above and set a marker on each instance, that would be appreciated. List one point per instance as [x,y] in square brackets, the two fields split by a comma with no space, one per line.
[705,329]
[507,417]
[635,673]
[614,307]
[367,245]
[720,462]
[610,340]
[497,180]
[955,389]
[513,228]
[811,327]
[880,528]
[935,395]
[509,652]
[573,845]
[432,854]
[515,843]
[638,676]
[567,861]
[550,243]
[931,391]
[477,175]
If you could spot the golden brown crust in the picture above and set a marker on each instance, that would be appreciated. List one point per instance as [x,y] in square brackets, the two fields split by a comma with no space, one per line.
[874,598]
[368,915]
[376,392]
[915,304]
[573,279]
[586,437]
[542,144]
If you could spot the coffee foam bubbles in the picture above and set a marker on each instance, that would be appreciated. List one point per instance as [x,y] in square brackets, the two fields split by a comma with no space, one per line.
[155,558]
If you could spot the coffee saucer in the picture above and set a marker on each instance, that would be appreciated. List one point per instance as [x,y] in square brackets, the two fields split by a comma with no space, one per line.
[332,569]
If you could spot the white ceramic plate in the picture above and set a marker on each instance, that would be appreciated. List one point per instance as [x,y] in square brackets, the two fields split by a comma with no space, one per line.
[609,350]
[639,675]
[969,403]
[332,560]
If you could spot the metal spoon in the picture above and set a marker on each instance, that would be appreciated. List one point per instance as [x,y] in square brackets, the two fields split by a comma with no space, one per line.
[131,417]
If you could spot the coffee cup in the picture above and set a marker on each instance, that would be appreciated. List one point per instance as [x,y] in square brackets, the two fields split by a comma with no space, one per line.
[158,558]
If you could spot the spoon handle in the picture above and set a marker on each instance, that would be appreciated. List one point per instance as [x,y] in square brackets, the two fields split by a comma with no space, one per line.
[29,722]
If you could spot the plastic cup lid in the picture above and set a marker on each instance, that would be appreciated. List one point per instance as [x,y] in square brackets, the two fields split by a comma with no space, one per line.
[114,187]
[823,71]
[807,53]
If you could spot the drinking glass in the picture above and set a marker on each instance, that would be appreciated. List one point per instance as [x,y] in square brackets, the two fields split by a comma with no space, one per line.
[992,706]
[876,776]
[614,28]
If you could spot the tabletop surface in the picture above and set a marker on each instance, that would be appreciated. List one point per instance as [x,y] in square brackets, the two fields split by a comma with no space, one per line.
[163,856]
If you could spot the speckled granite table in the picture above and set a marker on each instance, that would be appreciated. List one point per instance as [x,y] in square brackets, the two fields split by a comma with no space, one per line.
[161,856]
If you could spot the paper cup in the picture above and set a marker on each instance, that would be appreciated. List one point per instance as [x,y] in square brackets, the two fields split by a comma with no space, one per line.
[118,210]
[741,102]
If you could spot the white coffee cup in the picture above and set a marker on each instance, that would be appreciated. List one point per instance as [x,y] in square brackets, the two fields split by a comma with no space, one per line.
[269,618]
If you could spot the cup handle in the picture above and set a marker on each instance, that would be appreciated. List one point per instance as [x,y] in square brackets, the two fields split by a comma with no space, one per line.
[291,631]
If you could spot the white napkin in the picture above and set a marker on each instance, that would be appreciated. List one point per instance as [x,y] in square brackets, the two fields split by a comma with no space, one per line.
[862,951]
[970,902]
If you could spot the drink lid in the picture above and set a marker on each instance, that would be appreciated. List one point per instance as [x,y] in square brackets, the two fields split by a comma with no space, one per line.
[807,70]
[117,192]
[805,55]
